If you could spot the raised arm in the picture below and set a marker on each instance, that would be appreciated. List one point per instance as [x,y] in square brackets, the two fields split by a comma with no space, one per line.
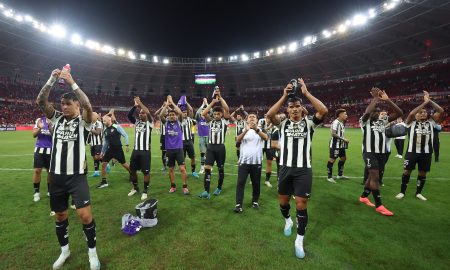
[438,109]
[374,92]
[226,109]
[397,111]
[190,111]
[42,98]
[130,114]
[88,114]
[137,100]
[321,109]
[37,128]
[205,113]
[272,113]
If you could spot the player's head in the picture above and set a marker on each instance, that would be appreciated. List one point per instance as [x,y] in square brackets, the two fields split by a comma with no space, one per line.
[375,114]
[294,108]
[143,116]
[172,116]
[185,113]
[422,115]
[238,117]
[107,120]
[70,105]
[217,113]
[383,114]
[252,117]
[341,114]
[99,116]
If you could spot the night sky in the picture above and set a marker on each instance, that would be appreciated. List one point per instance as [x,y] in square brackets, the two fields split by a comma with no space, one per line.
[194,28]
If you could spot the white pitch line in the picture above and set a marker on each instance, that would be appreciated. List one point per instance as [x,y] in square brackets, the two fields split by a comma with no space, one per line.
[16,155]
[234,174]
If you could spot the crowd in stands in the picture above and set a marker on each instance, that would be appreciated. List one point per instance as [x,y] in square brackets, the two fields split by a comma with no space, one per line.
[17,99]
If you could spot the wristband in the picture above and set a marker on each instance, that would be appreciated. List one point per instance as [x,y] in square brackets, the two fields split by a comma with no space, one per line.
[74,86]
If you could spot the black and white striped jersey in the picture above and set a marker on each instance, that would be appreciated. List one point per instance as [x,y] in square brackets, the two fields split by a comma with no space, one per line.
[275,137]
[339,127]
[186,126]
[142,135]
[93,139]
[421,137]
[69,149]
[267,144]
[374,137]
[240,125]
[295,142]
[163,127]
[262,123]
[217,131]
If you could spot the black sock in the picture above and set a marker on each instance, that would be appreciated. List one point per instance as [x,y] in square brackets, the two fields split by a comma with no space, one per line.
[48,187]
[376,195]
[146,187]
[341,167]
[36,187]
[96,164]
[134,181]
[207,181]
[330,169]
[285,210]
[238,153]
[366,192]
[202,159]
[89,232]
[62,232]
[193,167]
[381,174]
[221,177]
[302,221]
[405,181]
[420,183]
[268,174]
[163,158]
[104,180]
[173,185]
[184,185]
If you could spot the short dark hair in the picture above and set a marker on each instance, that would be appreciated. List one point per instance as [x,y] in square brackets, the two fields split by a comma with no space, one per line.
[294,99]
[339,111]
[218,109]
[254,113]
[70,95]
[170,111]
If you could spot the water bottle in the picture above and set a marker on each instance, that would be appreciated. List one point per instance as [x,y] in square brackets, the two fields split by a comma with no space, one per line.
[214,95]
[61,82]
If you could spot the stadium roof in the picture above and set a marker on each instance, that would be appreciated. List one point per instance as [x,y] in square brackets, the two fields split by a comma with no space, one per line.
[415,32]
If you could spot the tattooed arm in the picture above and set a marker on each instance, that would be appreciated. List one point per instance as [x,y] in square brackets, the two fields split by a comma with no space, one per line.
[42,98]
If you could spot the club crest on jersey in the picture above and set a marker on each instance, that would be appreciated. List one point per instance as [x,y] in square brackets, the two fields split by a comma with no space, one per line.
[423,129]
[378,126]
[141,127]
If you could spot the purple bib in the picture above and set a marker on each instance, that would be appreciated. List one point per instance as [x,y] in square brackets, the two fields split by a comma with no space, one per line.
[202,127]
[174,135]
[44,138]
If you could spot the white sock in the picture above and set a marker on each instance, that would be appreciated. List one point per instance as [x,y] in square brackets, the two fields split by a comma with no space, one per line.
[299,240]
[93,250]
[288,220]
[65,248]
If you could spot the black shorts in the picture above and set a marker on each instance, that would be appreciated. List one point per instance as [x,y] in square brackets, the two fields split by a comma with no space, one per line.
[63,186]
[337,152]
[140,160]
[374,161]
[423,162]
[115,152]
[238,144]
[175,155]
[188,149]
[269,153]
[162,142]
[96,150]
[295,181]
[41,160]
[215,153]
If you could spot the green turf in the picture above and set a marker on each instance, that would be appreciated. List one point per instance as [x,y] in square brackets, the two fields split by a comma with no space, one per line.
[207,234]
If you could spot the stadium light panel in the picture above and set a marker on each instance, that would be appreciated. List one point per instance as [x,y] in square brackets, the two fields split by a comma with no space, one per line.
[91,44]
[208,59]
[121,52]
[348,23]
[166,61]
[143,56]
[155,59]
[2,6]
[342,28]
[326,33]
[108,49]
[280,50]
[256,54]
[57,31]
[76,39]
[372,13]
[42,28]
[244,57]
[131,55]
[293,46]
[8,13]
[28,18]
[308,40]
[18,18]
[220,59]
[359,19]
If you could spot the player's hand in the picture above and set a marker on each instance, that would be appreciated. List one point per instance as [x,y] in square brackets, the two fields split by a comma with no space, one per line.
[127,148]
[67,77]
[288,89]
[55,73]
[241,107]
[40,124]
[137,101]
[217,92]
[214,101]
[205,101]
[169,99]
[303,86]
[426,96]
[383,96]
[375,92]
[346,141]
